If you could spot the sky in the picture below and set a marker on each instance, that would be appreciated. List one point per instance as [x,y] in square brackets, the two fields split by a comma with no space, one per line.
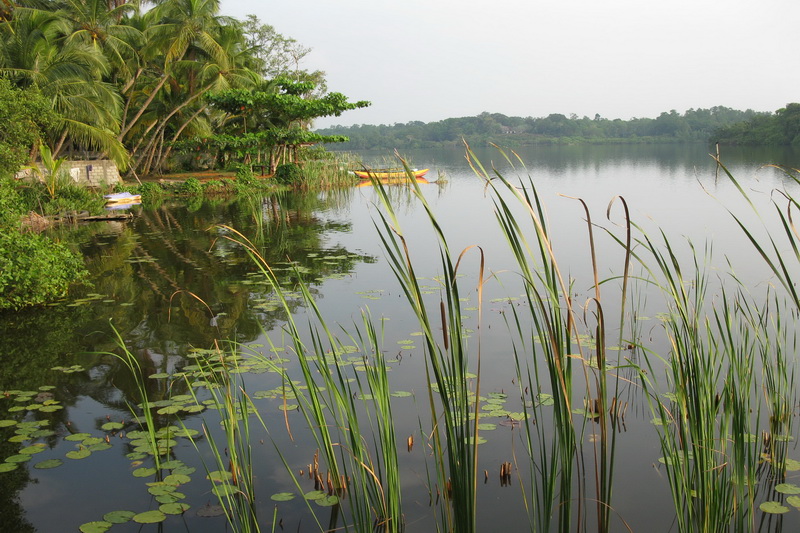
[429,60]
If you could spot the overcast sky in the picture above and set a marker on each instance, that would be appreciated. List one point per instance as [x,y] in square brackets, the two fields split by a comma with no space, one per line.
[433,59]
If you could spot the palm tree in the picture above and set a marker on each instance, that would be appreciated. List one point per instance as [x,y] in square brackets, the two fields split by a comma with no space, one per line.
[69,73]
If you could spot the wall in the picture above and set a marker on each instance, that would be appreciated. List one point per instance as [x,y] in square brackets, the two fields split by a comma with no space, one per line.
[103,172]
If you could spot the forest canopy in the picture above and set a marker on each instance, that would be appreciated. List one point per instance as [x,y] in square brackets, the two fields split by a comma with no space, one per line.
[694,125]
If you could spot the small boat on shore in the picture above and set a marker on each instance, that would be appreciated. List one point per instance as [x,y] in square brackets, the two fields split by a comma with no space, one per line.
[389,173]
[119,199]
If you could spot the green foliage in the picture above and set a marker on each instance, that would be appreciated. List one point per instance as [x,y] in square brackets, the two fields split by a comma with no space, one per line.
[782,128]
[35,269]
[151,192]
[288,174]
[23,117]
[192,187]
[244,175]
[693,125]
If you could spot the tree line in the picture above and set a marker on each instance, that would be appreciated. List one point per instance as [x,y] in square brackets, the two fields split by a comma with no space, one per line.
[133,80]
[717,123]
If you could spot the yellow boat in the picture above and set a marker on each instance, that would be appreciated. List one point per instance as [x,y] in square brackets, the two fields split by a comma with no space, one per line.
[389,173]
[391,181]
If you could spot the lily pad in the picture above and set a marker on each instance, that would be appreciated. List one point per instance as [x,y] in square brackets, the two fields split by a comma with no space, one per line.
[783,488]
[219,476]
[19,458]
[794,501]
[177,479]
[150,517]
[34,448]
[79,454]
[48,463]
[119,517]
[174,508]
[7,467]
[314,495]
[98,526]
[111,426]
[282,496]
[327,501]
[773,507]
[144,472]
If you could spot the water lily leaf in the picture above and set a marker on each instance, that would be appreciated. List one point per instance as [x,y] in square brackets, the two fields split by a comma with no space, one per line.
[223,490]
[119,517]
[150,517]
[7,467]
[169,410]
[177,479]
[219,476]
[111,426]
[20,458]
[773,507]
[7,423]
[144,472]
[161,490]
[99,447]
[282,496]
[83,453]
[174,508]
[98,526]
[487,426]
[401,394]
[792,465]
[327,501]
[34,448]
[783,488]
[794,501]
[48,463]
[314,495]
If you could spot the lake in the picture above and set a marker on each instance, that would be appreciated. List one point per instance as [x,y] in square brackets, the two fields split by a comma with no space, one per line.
[176,287]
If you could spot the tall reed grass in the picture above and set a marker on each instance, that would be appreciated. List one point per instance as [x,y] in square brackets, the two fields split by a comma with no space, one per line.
[720,387]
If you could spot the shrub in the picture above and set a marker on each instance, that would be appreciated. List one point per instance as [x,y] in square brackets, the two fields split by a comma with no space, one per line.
[36,269]
[192,186]
[288,174]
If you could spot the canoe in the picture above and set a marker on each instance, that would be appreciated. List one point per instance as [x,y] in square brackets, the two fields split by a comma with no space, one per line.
[122,198]
[392,181]
[388,173]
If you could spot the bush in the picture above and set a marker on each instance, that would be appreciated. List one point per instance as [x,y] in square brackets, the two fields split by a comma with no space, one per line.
[35,269]
[192,186]
[151,192]
[288,174]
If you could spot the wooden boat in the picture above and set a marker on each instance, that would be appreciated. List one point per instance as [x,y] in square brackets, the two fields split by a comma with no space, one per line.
[120,198]
[389,173]
[392,181]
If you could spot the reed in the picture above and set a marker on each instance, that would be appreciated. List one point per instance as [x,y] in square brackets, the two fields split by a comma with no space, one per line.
[367,474]
[450,359]
[548,329]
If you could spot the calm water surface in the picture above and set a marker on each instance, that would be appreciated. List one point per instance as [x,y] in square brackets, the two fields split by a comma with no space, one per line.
[171,283]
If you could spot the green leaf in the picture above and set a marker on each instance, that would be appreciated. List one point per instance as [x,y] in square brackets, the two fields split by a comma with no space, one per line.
[314,495]
[784,488]
[282,496]
[327,501]
[773,507]
[150,517]
[144,472]
[48,463]
[119,517]
[79,454]
[174,508]
[95,527]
